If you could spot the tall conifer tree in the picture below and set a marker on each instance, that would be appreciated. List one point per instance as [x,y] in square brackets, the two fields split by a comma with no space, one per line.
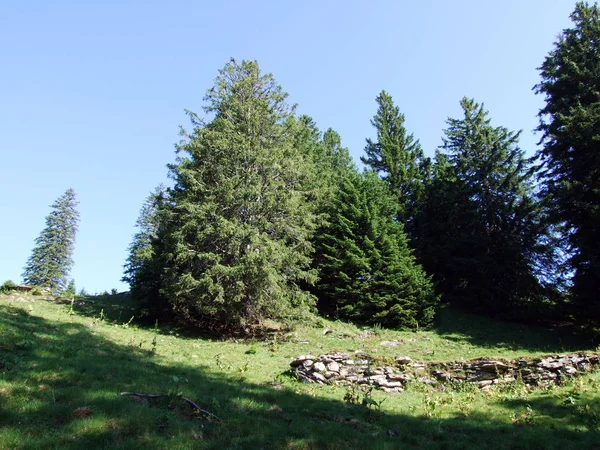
[236,235]
[570,123]
[52,257]
[481,231]
[397,156]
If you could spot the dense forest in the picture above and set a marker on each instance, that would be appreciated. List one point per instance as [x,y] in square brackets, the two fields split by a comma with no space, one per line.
[269,218]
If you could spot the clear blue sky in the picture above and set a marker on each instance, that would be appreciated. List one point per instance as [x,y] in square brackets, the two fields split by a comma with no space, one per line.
[92,93]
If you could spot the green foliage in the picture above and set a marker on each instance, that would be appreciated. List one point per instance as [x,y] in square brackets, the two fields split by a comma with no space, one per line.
[480,230]
[570,123]
[70,291]
[234,244]
[52,257]
[142,269]
[367,272]
[397,156]
[7,287]
[36,291]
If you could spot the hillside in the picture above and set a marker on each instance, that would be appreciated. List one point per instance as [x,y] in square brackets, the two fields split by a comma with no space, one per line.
[63,366]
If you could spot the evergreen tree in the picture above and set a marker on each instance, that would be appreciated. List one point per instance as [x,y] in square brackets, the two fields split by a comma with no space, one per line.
[236,235]
[481,230]
[142,269]
[397,157]
[570,123]
[70,291]
[52,257]
[367,272]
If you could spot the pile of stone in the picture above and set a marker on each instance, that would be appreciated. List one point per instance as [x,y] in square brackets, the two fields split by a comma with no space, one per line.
[344,369]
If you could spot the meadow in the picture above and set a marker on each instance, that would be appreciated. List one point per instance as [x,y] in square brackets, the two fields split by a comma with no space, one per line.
[63,366]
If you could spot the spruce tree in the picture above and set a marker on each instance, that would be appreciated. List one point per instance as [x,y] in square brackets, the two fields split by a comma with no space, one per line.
[142,268]
[52,257]
[367,272]
[484,238]
[570,172]
[236,234]
[397,156]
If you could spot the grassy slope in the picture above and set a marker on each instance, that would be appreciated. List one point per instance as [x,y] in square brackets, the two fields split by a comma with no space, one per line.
[61,374]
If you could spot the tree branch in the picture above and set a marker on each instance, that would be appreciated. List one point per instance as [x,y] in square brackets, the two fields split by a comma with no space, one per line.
[185,399]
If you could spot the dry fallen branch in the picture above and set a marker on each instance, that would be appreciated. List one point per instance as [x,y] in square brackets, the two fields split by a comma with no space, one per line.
[185,399]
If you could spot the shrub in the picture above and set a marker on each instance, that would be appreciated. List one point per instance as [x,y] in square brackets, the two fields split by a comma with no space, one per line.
[37,291]
[7,287]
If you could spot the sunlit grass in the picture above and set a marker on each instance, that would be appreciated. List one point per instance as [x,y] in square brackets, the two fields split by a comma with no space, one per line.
[61,375]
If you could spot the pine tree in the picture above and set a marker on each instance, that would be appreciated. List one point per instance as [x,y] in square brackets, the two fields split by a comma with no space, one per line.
[484,237]
[52,257]
[570,123]
[236,235]
[367,272]
[397,157]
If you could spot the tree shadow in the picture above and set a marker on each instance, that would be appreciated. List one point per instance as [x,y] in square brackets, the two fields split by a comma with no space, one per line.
[481,331]
[60,385]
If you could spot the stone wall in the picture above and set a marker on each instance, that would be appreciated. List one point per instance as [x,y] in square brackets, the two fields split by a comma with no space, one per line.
[345,369]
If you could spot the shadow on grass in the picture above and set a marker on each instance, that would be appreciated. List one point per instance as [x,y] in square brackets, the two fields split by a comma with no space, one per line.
[121,308]
[118,308]
[60,385]
[481,331]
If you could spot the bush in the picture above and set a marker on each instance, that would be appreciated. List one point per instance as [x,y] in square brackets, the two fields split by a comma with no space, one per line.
[37,291]
[7,287]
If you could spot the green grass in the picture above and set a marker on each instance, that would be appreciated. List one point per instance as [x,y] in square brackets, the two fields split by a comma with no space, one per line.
[61,374]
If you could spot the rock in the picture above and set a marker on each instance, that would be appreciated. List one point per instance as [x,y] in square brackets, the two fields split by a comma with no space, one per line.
[392,390]
[403,377]
[319,367]
[320,378]
[485,376]
[493,366]
[551,364]
[341,368]
[300,359]
[440,375]
[376,378]
[333,367]
[327,331]
[403,360]
[304,378]
[390,384]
